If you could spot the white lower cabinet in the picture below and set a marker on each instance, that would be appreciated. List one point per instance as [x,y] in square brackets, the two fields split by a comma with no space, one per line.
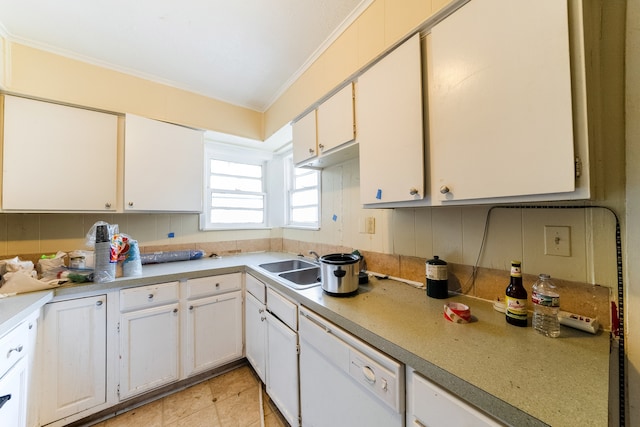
[149,342]
[73,357]
[256,326]
[212,322]
[432,406]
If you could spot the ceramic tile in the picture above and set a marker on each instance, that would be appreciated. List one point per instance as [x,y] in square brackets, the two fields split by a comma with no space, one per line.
[413,268]
[219,248]
[253,245]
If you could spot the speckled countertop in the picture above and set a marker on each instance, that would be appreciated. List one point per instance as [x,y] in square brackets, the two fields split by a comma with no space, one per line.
[514,373]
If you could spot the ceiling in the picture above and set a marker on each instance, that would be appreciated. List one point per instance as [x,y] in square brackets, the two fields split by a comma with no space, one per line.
[244,52]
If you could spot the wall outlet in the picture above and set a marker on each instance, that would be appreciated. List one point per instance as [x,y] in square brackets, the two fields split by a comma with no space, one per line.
[557,240]
[367,225]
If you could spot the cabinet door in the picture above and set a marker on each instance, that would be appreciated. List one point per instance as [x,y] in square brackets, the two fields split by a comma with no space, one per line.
[44,139]
[304,138]
[282,369]
[163,167]
[430,405]
[73,357]
[148,349]
[500,107]
[255,335]
[389,121]
[13,395]
[336,120]
[213,332]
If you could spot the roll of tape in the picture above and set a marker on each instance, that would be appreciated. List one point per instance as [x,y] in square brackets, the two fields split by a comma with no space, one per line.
[457,312]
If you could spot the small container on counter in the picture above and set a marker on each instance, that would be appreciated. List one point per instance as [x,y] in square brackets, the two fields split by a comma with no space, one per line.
[437,278]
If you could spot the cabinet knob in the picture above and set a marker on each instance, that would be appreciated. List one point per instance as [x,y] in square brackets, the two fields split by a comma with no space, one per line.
[261,310]
[130,204]
[107,205]
[150,296]
[17,349]
[444,189]
[262,319]
[190,307]
[413,191]
[217,285]
[98,303]
[321,146]
[175,310]
[311,151]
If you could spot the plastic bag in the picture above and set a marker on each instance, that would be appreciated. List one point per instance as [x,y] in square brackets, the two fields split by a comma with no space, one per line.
[48,267]
[91,234]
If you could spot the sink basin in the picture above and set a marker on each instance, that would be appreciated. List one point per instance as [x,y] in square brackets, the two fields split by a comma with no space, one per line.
[302,279]
[288,265]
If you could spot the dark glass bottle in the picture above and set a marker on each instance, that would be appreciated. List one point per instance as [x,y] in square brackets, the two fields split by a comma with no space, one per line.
[516,297]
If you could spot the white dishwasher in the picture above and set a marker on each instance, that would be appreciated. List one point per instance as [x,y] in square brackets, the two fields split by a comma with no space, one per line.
[344,381]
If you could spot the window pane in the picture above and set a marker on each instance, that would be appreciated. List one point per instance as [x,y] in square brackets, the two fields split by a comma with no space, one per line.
[235,183]
[304,198]
[305,215]
[232,168]
[307,180]
[222,200]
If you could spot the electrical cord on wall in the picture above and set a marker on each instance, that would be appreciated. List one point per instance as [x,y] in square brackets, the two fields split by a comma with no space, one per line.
[617,330]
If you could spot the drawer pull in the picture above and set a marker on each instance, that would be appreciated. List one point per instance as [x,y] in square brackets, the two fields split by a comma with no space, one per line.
[98,303]
[263,318]
[17,349]
[4,399]
[150,296]
[190,307]
[175,310]
[217,285]
[261,310]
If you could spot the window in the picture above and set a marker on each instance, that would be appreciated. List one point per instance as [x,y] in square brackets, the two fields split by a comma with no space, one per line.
[235,191]
[303,199]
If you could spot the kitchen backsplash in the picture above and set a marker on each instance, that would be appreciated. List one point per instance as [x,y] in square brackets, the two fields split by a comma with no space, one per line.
[489,284]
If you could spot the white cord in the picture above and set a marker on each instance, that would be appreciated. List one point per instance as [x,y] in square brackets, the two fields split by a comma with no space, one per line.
[386,276]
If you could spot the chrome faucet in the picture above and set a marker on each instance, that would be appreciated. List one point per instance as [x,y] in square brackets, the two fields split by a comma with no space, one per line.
[315,254]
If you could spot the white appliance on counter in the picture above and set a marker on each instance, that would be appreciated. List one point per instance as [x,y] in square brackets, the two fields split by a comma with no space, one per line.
[345,382]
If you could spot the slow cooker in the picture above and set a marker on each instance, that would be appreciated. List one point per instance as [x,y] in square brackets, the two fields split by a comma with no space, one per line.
[339,273]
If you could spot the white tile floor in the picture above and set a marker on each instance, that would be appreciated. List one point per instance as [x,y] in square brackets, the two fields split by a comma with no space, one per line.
[231,399]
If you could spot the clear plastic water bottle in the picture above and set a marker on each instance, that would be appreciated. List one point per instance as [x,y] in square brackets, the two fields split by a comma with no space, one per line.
[546,304]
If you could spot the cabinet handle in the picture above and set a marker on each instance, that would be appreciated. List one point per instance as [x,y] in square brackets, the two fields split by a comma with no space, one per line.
[175,310]
[190,307]
[150,296]
[418,423]
[4,399]
[444,189]
[130,204]
[263,318]
[261,310]
[311,151]
[321,146]
[98,303]
[107,205]
[413,191]
[30,325]
[17,349]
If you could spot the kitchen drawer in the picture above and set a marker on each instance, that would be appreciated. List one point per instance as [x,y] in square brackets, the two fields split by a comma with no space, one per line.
[13,346]
[256,288]
[148,296]
[212,285]
[282,308]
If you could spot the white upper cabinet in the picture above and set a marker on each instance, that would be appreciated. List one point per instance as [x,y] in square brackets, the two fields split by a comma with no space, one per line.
[58,158]
[163,167]
[326,136]
[500,103]
[390,130]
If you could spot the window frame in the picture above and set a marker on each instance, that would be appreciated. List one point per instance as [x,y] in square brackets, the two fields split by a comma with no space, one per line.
[289,171]
[220,151]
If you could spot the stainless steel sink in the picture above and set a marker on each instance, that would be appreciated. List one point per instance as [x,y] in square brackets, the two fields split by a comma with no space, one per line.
[287,265]
[295,273]
[303,278]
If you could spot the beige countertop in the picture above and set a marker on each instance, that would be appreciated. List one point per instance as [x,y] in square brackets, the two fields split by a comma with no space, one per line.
[514,373]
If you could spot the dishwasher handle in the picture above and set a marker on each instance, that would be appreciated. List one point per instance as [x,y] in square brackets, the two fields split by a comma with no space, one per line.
[316,322]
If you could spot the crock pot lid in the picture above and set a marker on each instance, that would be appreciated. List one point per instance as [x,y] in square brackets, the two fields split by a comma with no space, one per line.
[339,259]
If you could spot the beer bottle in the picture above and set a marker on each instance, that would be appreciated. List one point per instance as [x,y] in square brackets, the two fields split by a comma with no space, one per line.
[516,297]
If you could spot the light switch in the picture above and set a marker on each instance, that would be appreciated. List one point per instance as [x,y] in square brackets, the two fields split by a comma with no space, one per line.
[557,240]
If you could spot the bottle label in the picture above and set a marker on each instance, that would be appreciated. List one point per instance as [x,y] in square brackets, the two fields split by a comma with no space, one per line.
[516,308]
[546,300]
[516,271]
[436,272]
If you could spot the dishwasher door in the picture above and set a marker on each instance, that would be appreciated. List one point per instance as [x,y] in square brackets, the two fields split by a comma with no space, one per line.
[343,381]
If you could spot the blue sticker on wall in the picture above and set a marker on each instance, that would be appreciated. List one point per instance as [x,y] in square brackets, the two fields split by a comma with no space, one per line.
[379,194]
[334,217]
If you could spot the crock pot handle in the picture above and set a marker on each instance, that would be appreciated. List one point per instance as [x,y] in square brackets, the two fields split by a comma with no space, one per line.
[339,273]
